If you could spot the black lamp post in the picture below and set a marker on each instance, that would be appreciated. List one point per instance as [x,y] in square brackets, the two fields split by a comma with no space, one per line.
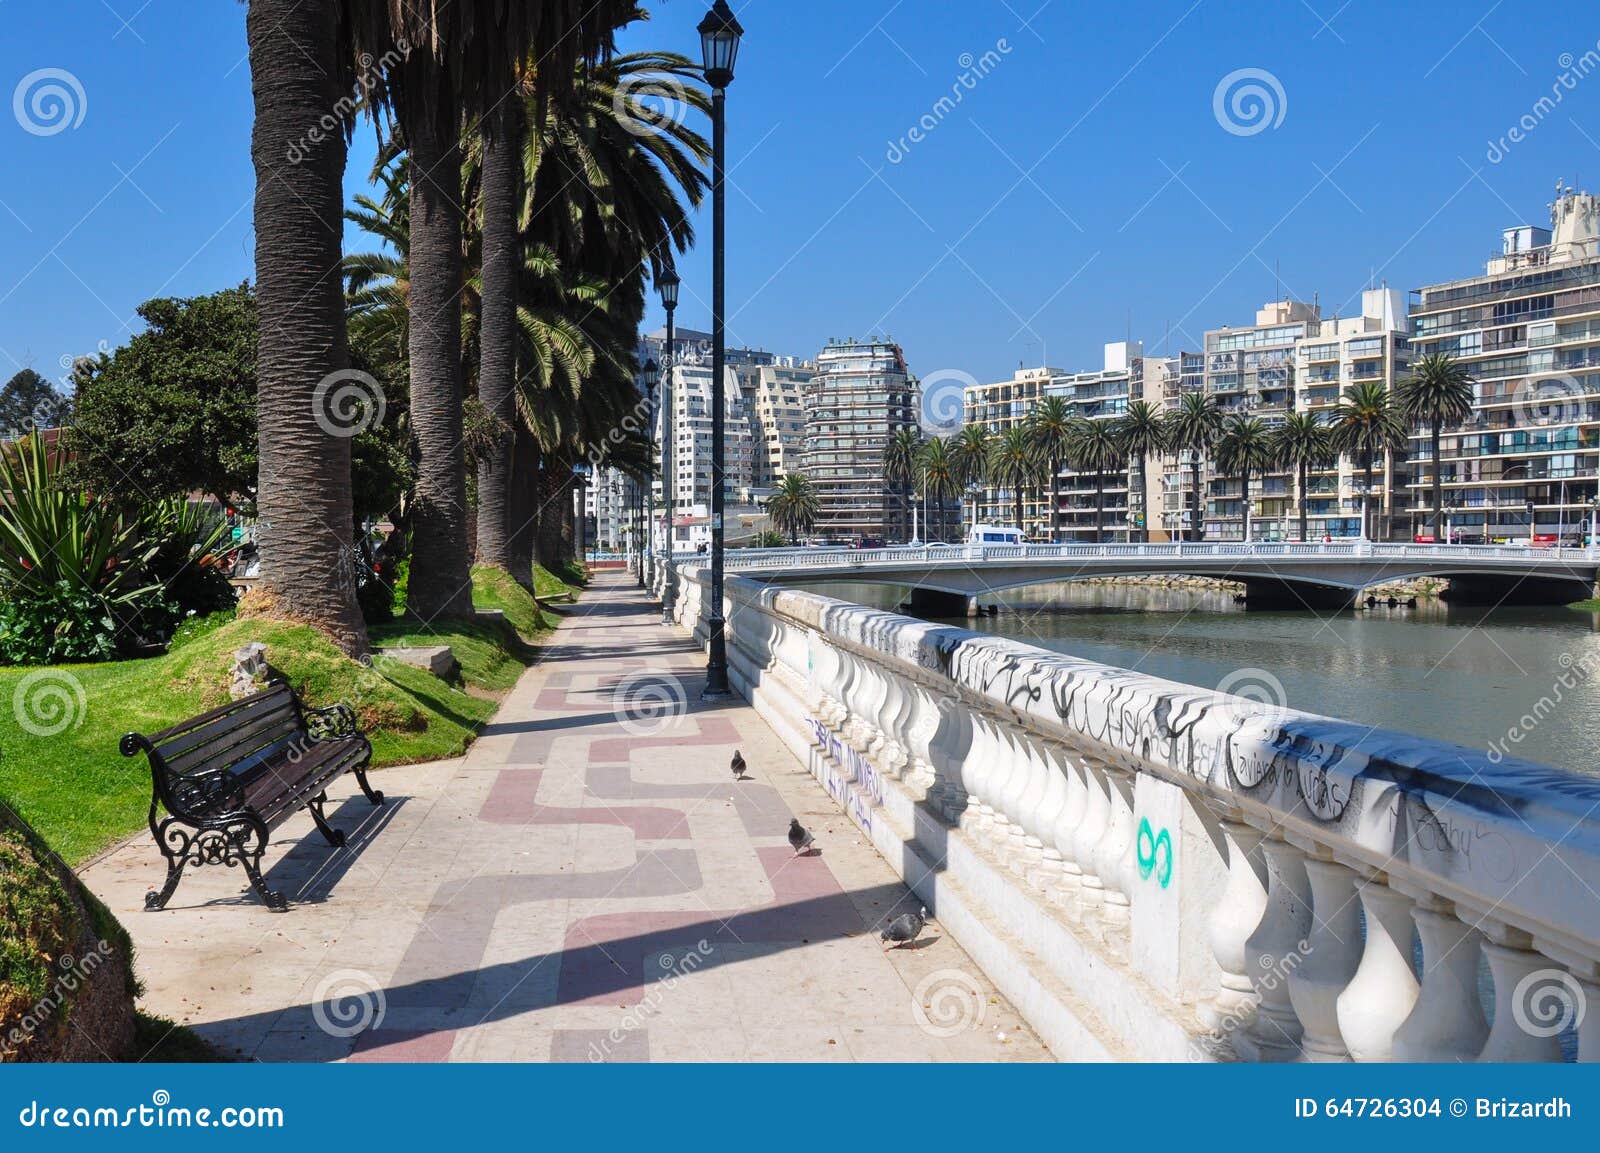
[652,375]
[667,284]
[719,49]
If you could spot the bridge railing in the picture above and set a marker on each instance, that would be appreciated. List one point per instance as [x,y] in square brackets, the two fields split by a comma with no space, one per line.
[785,558]
[1202,874]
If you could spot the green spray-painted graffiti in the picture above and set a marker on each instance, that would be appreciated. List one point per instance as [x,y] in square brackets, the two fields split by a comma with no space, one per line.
[1155,853]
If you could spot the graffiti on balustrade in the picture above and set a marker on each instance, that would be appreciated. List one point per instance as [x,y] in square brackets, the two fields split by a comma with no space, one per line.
[847,776]
[1154,851]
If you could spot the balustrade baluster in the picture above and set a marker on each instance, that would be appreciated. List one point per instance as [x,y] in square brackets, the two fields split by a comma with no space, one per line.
[1532,999]
[1333,956]
[1028,845]
[1112,851]
[1446,1024]
[1046,873]
[1233,920]
[1384,990]
[1278,946]
[1097,816]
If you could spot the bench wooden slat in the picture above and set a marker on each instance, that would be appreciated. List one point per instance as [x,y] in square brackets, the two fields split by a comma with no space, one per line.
[227,746]
[275,696]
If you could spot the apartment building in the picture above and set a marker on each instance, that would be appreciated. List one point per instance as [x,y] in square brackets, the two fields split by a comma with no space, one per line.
[775,396]
[861,395]
[1528,331]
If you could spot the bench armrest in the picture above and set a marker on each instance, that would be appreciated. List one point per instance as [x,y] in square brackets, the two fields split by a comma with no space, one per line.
[335,722]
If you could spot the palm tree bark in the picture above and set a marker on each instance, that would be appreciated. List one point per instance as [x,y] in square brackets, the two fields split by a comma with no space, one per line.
[1438,487]
[1099,506]
[1244,504]
[304,495]
[523,504]
[1055,501]
[497,333]
[1366,499]
[1304,524]
[1194,502]
[440,576]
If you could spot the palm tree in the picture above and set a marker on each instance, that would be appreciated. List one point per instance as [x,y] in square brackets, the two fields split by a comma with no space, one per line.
[1142,433]
[1302,442]
[1245,449]
[1367,424]
[457,65]
[794,507]
[1193,427]
[299,68]
[1094,448]
[900,457]
[969,452]
[1438,392]
[502,251]
[1050,425]
[941,480]
[1013,462]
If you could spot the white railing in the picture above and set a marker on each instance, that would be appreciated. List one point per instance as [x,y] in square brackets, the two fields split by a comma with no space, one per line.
[809,558]
[1197,875]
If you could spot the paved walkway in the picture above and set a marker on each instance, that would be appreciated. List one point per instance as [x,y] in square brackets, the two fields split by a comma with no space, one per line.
[587,884]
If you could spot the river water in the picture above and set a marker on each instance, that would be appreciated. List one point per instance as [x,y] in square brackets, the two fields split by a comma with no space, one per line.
[1472,676]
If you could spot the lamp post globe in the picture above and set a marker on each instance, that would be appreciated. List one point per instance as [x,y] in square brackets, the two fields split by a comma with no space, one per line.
[719,49]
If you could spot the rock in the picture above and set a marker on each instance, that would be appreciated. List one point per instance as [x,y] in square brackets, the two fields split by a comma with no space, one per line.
[249,672]
[437,659]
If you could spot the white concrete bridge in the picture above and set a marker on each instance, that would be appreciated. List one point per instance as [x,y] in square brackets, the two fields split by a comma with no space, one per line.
[1274,574]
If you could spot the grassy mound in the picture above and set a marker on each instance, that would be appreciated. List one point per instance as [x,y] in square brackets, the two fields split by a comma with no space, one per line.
[66,977]
[568,582]
[62,772]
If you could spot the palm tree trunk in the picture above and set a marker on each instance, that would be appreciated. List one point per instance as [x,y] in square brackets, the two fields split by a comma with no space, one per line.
[497,334]
[1055,500]
[1438,485]
[1018,496]
[1244,504]
[523,504]
[1099,506]
[1194,501]
[1144,528]
[1366,498]
[303,495]
[440,578]
[1304,524]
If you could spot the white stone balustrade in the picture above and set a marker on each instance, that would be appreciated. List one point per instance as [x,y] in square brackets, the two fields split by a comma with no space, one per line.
[1151,870]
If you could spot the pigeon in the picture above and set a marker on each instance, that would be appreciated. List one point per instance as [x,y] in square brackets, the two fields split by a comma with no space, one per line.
[738,765]
[800,838]
[904,928]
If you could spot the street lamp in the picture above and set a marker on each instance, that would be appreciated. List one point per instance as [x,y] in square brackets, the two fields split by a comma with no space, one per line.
[1530,524]
[719,49]
[667,284]
[652,374]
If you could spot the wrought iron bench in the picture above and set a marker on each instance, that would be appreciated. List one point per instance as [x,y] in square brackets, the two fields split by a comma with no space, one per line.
[229,776]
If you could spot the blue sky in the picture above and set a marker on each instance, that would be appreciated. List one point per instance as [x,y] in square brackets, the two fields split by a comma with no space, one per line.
[1084,187]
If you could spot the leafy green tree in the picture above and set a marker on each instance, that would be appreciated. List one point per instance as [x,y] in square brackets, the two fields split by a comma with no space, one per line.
[1051,426]
[1438,392]
[29,401]
[1302,442]
[1245,449]
[1367,424]
[173,411]
[1142,433]
[1194,427]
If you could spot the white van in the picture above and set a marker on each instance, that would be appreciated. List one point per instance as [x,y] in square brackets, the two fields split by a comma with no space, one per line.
[994,534]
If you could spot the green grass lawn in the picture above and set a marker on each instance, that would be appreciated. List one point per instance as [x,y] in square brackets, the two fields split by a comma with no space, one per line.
[81,795]
[1589,606]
